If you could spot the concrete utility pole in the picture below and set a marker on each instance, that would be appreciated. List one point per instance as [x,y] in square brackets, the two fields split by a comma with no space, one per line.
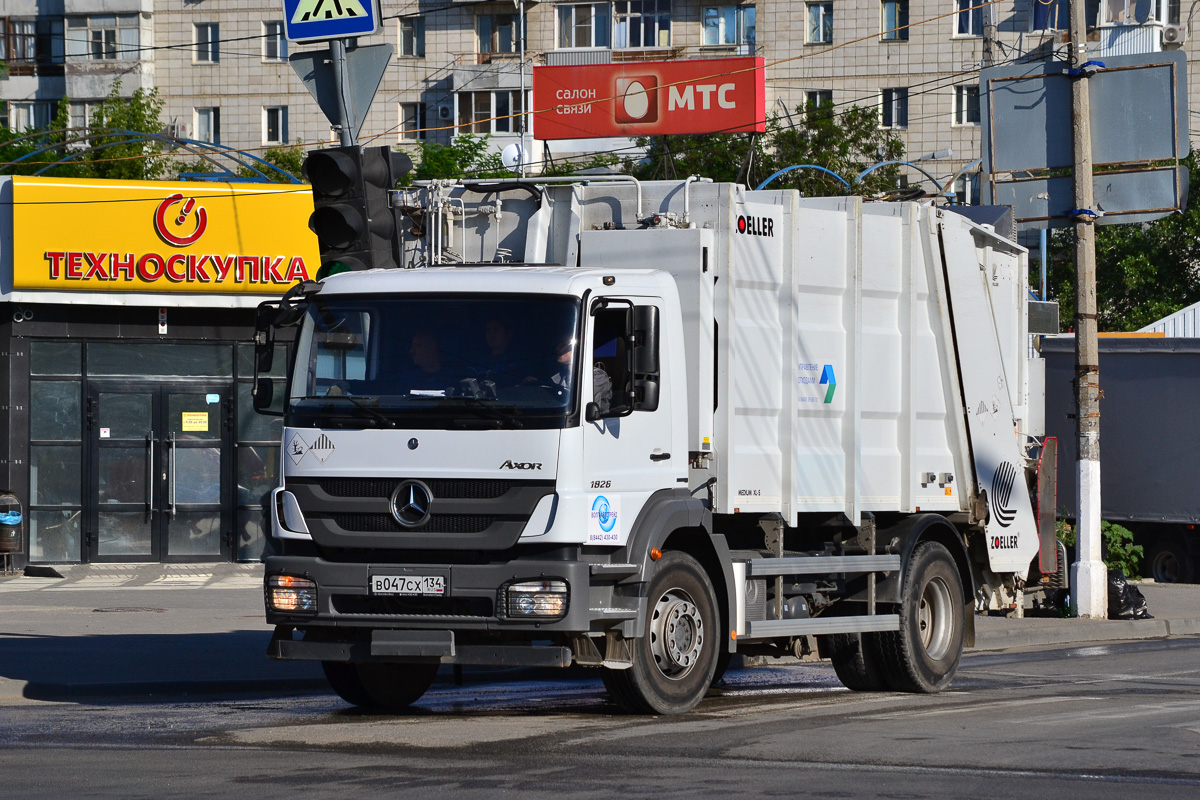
[1089,594]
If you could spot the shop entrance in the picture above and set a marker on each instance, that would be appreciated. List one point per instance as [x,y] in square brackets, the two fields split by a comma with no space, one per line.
[160,472]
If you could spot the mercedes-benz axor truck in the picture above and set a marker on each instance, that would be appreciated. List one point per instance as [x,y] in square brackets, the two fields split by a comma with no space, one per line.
[641,427]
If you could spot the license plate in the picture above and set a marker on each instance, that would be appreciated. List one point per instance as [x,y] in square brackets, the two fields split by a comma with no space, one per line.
[424,585]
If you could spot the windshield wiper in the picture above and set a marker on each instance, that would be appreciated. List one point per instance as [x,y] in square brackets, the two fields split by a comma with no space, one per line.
[493,413]
[361,404]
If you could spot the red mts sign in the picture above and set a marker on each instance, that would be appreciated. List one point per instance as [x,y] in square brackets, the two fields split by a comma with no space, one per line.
[710,95]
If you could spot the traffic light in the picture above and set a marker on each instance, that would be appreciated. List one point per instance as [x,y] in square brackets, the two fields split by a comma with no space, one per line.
[352,211]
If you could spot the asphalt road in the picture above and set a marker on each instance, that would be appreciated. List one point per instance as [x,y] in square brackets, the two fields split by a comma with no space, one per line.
[1114,720]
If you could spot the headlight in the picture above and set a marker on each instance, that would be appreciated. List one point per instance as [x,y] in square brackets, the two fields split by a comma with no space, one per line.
[540,599]
[291,595]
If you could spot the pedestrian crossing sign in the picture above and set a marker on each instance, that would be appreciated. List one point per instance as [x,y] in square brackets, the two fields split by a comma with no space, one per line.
[315,20]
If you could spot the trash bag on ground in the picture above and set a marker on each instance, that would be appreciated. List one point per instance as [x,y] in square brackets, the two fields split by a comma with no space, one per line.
[1125,601]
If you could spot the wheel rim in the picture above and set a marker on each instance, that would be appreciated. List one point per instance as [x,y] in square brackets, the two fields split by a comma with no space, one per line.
[676,634]
[1166,568]
[935,619]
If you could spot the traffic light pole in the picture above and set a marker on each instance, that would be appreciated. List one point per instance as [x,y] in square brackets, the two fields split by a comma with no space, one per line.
[1089,578]
[346,129]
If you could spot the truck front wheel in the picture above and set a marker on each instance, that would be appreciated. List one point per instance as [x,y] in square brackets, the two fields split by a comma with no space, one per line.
[923,655]
[674,663]
[389,687]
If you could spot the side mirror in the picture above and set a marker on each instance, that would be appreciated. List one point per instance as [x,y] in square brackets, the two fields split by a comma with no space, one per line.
[591,412]
[645,330]
[263,394]
[646,394]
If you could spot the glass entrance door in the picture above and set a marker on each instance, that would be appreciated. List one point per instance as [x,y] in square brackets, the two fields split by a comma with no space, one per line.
[160,467]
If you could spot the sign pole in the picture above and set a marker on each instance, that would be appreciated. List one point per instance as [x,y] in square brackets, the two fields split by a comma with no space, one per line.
[1089,578]
[347,132]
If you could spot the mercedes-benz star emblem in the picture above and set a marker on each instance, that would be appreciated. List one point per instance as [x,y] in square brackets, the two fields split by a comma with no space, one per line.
[412,444]
[410,504]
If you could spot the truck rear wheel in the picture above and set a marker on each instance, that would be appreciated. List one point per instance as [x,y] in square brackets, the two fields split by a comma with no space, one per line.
[923,655]
[1170,562]
[856,660]
[674,663]
[390,687]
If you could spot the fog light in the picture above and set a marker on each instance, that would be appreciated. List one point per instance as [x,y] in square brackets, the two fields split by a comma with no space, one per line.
[536,599]
[291,595]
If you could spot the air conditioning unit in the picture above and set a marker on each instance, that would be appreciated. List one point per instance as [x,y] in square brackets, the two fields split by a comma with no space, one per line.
[1174,34]
[445,111]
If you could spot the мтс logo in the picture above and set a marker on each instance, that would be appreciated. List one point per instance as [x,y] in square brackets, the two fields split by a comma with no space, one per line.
[636,99]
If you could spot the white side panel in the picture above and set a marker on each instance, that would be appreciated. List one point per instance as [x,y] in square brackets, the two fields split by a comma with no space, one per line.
[1012,537]
[751,392]
[825,242]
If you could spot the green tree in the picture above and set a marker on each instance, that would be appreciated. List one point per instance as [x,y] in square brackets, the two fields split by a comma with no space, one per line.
[117,125]
[720,156]
[845,142]
[466,156]
[1143,272]
[289,158]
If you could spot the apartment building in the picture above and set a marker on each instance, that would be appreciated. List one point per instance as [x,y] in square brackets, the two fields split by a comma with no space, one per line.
[221,65]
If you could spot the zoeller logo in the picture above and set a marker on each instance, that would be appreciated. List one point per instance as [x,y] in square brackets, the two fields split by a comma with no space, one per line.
[521,465]
[1002,494]
[756,226]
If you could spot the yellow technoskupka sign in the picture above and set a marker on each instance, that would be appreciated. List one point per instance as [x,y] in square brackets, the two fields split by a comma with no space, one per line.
[149,236]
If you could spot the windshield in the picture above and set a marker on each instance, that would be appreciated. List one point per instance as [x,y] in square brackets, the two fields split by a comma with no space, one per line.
[503,361]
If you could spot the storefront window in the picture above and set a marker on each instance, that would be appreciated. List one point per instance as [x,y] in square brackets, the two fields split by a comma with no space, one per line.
[54,535]
[54,475]
[55,358]
[54,410]
[152,358]
[257,454]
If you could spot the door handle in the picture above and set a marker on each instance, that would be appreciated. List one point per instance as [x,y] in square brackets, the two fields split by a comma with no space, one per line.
[151,441]
[171,501]
[659,456]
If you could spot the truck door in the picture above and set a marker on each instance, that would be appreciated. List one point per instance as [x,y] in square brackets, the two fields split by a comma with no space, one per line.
[627,448]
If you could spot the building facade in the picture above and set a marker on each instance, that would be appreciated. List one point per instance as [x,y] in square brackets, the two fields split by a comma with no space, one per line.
[221,65]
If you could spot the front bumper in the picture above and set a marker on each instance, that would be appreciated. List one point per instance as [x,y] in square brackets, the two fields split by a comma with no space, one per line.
[471,603]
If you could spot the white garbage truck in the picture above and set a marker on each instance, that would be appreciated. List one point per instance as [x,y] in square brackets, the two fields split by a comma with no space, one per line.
[642,427]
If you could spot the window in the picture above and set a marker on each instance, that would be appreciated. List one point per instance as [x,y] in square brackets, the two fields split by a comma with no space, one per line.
[894,108]
[207,37]
[1051,15]
[820,23]
[970,17]
[32,41]
[488,112]
[966,105]
[625,23]
[412,122]
[412,37]
[105,37]
[966,190]
[584,25]
[893,25]
[80,115]
[496,33]
[207,126]
[275,123]
[818,97]
[642,23]
[274,42]
[27,115]
[729,25]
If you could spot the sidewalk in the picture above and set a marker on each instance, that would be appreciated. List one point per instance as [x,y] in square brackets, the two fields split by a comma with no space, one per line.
[144,632]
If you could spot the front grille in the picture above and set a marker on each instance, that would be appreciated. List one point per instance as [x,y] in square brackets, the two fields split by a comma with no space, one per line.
[449,489]
[412,606]
[439,523]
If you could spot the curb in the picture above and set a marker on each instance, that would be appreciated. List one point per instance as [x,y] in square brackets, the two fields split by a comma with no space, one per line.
[1081,632]
[11,689]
